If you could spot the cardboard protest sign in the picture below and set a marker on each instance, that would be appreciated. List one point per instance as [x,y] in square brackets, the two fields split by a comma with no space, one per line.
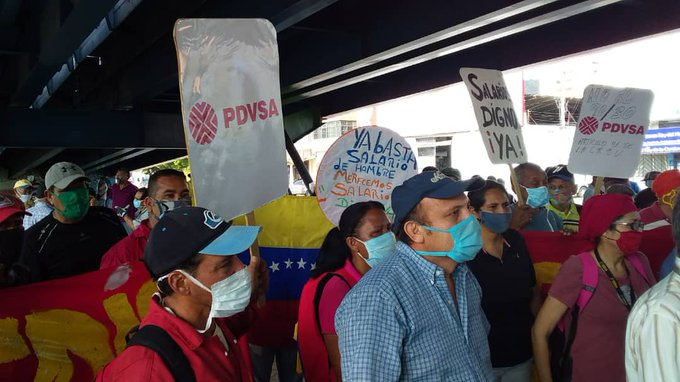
[231,106]
[611,128]
[498,123]
[363,164]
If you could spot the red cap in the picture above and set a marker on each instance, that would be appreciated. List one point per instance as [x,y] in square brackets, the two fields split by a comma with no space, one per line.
[10,206]
[666,182]
[600,211]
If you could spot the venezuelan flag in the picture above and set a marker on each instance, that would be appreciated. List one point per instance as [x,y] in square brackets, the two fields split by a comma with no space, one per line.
[293,228]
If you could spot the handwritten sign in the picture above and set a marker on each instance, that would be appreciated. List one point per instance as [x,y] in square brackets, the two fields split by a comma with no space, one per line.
[611,128]
[363,164]
[231,106]
[498,123]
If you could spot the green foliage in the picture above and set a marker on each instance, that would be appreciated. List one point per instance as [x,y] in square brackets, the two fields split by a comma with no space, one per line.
[181,164]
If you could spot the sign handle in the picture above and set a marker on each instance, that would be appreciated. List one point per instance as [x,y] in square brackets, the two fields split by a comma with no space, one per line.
[599,182]
[515,185]
[255,253]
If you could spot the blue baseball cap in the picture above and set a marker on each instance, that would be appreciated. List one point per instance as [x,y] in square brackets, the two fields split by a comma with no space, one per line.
[186,231]
[427,185]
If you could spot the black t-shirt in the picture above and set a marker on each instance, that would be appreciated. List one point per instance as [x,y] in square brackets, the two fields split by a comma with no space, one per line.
[54,250]
[506,296]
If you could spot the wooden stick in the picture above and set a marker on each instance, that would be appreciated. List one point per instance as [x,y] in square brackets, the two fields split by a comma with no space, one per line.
[255,251]
[255,248]
[599,181]
[516,186]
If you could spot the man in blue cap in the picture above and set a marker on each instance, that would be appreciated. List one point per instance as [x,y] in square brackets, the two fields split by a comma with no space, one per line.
[205,302]
[418,314]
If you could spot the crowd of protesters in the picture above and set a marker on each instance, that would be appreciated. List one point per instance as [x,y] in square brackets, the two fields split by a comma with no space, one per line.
[445,291]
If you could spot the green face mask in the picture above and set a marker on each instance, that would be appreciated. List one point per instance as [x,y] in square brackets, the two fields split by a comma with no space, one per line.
[76,203]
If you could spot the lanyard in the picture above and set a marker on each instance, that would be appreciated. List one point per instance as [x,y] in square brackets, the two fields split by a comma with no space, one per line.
[615,283]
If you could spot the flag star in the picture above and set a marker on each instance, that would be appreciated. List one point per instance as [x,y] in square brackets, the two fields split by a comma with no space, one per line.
[313,266]
[274,267]
[288,263]
[301,263]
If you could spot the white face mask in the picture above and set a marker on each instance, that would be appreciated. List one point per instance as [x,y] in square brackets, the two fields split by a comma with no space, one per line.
[229,296]
[24,198]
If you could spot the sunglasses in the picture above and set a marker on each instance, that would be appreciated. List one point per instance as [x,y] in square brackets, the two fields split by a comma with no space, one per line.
[635,225]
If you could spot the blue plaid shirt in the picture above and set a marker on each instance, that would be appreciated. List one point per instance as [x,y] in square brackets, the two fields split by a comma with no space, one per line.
[400,323]
[39,211]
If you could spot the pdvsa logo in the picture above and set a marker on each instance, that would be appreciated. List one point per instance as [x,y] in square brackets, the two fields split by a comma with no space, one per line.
[623,128]
[203,123]
[588,125]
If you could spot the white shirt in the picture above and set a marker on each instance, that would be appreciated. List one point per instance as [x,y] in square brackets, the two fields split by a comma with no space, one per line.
[653,333]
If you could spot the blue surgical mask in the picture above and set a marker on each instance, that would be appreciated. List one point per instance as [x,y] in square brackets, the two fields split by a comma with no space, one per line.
[467,240]
[496,222]
[137,203]
[648,183]
[537,197]
[379,248]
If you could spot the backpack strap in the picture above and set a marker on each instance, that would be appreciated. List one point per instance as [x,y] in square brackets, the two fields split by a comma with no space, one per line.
[637,264]
[158,340]
[588,280]
[319,292]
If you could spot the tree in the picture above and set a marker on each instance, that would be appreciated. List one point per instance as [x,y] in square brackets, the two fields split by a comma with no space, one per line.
[181,164]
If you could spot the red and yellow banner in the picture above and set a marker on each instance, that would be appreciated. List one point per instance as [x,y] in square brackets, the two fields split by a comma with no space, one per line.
[66,330]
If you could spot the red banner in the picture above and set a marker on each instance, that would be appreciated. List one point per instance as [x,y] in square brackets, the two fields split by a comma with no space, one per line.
[67,329]
[548,250]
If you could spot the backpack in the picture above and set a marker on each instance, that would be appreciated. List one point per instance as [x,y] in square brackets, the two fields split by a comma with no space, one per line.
[559,344]
[158,340]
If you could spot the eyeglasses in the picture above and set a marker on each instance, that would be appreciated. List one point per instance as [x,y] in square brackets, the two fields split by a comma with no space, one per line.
[635,225]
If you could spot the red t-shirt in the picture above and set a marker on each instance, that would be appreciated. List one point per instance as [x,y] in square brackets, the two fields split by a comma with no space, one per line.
[207,355]
[124,197]
[129,249]
[598,349]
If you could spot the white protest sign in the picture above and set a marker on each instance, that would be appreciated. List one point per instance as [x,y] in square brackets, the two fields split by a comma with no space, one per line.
[611,128]
[363,164]
[498,123]
[231,106]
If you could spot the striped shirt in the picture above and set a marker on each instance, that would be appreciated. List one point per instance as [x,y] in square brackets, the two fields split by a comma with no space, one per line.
[400,323]
[653,332]
[570,218]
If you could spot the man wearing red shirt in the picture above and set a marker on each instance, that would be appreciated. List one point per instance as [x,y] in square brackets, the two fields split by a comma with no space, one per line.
[205,302]
[123,193]
[657,239]
[168,190]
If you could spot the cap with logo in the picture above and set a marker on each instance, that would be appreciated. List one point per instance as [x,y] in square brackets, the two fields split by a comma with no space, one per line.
[23,183]
[560,172]
[9,207]
[61,174]
[427,185]
[184,232]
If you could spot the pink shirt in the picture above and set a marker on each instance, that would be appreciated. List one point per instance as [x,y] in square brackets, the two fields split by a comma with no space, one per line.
[333,293]
[598,350]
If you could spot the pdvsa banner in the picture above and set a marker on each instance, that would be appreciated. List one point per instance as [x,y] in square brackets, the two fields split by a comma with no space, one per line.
[231,105]
[611,128]
[495,113]
[66,330]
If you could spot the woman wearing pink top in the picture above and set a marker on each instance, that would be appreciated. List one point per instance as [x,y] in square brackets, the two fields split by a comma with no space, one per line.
[360,241]
[620,273]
